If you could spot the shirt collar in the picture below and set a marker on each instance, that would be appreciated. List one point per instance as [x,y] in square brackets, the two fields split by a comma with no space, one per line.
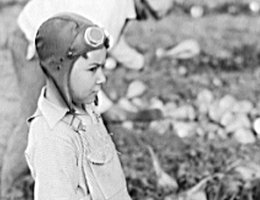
[51,112]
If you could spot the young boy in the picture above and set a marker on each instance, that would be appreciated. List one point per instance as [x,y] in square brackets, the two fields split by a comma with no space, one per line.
[70,154]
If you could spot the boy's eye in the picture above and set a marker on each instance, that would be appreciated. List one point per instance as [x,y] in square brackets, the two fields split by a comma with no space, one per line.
[94,68]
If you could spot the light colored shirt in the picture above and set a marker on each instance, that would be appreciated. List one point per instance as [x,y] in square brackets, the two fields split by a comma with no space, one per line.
[70,164]
[110,14]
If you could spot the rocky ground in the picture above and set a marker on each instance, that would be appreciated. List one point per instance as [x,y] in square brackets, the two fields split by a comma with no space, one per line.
[206,145]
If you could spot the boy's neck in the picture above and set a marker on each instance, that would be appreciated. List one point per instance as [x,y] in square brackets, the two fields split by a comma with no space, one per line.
[53,95]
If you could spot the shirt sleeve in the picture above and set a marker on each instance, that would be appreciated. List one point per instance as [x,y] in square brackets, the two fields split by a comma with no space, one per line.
[56,172]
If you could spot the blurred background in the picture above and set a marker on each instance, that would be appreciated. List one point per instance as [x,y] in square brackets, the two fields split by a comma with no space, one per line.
[202,73]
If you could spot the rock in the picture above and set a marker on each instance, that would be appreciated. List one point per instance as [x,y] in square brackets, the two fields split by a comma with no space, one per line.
[217,82]
[249,171]
[113,95]
[128,125]
[210,127]
[139,103]
[184,50]
[244,136]
[205,96]
[227,102]
[222,133]
[243,107]
[184,129]
[182,71]
[254,113]
[223,54]
[196,11]
[160,126]
[204,100]
[110,63]
[227,118]
[239,121]
[156,103]
[200,131]
[160,8]
[203,109]
[218,108]
[127,105]
[169,108]
[184,112]
[256,126]
[135,89]
[215,113]
[254,6]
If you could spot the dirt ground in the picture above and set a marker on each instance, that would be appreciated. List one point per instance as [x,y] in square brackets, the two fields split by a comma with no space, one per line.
[228,64]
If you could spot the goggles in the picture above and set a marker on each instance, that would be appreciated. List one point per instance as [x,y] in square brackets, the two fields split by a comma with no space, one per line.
[94,36]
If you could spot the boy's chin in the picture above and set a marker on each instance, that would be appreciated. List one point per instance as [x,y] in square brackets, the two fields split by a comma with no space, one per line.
[84,101]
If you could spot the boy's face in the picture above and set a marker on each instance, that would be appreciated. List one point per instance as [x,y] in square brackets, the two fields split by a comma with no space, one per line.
[87,76]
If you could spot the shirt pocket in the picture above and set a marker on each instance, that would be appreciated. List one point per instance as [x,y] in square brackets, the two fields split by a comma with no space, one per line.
[107,170]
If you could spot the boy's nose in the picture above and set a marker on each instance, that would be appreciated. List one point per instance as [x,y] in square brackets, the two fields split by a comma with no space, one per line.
[101,78]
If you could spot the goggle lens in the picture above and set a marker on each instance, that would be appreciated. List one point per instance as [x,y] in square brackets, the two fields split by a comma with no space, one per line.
[94,36]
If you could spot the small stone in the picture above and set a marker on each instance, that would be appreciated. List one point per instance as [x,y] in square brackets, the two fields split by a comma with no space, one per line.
[139,103]
[200,132]
[210,127]
[205,96]
[227,118]
[256,126]
[254,113]
[227,102]
[217,82]
[249,171]
[239,121]
[218,108]
[203,108]
[160,52]
[223,54]
[160,8]
[135,89]
[222,133]
[127,105]
[183,71]
[113,94]
[128,125]
[156,103]
[215,113]
[185,112]
[196,11]
[244,106]
[244,136]
[254,6]
[110,63]
[184,129]
[169,108]
[160,126]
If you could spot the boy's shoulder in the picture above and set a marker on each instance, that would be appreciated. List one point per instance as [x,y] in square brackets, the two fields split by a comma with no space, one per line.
[40,128]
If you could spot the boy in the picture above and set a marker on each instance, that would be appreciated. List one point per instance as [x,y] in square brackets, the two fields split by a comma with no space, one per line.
[31,79]
[69,152]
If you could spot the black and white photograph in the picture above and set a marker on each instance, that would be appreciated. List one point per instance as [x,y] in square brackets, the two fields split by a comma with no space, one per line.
[130,100]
